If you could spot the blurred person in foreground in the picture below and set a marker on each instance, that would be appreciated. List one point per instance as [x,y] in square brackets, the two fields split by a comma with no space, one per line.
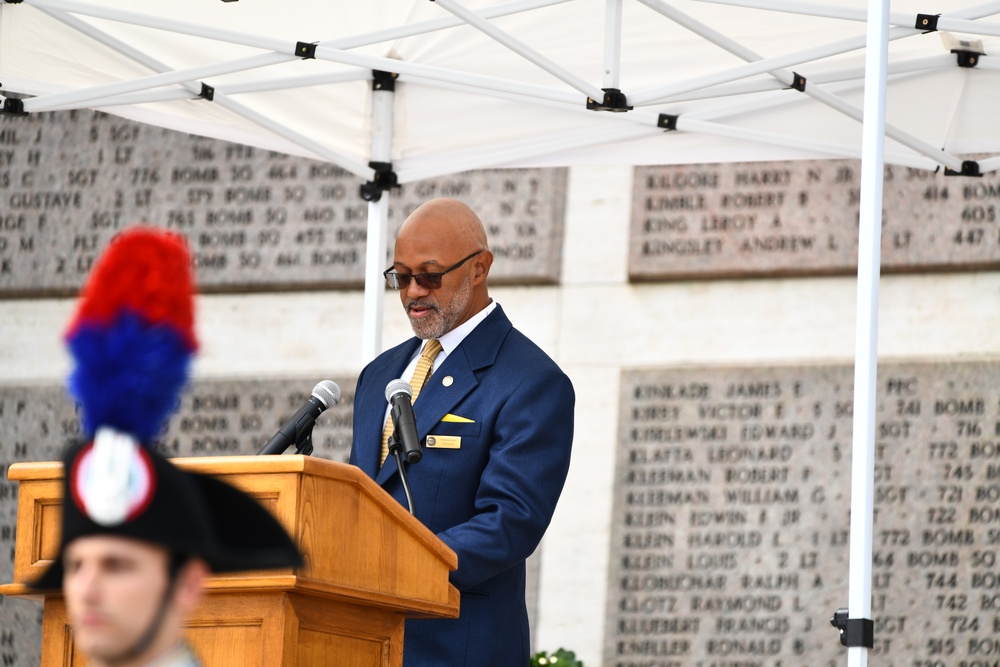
[139,535]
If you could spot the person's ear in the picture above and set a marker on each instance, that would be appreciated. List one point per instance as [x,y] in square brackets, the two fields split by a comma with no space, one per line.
[483,262]
[190,582]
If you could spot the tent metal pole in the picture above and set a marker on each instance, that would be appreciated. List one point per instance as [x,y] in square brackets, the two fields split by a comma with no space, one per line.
[905,138]
[866,331]
[653,94]
[612,43]
[347,162]
[434,73]
[378,228]
[989,164]
[793,7]
[785,76]
[522,49]
[657,94]
[162,23]
[857,74]
[268,85]
[506,152]
[283,53]
[988,62]
[374,301]
[512,153]
[845,76]
[323,152]
[951,22]
[970,27]
[646,122]
[826,148]
[48,102]
[147,97]
[433,25]
[269,43]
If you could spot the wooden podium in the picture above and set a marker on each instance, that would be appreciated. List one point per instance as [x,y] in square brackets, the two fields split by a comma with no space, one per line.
[369,565]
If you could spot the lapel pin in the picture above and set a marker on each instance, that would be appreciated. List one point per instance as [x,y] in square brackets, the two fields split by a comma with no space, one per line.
[447,380]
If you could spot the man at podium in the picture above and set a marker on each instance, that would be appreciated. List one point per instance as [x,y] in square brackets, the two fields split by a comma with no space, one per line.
[495,417]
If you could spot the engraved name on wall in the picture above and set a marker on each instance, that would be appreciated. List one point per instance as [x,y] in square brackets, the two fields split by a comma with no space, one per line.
[731,516]
[801,218]
[255,219]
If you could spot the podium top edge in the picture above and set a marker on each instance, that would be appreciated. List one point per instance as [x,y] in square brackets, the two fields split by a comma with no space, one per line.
[213,465]
[52,471]
[29,470]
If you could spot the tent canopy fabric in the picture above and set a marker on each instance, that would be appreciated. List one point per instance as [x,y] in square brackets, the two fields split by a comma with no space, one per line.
[486,83]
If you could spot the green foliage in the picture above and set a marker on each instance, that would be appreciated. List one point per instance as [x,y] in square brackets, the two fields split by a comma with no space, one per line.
[561,658]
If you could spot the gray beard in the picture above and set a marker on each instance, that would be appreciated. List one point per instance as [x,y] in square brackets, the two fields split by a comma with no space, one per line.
[445,317]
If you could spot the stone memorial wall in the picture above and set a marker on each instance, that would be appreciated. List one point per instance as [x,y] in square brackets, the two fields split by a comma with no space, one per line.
[255,219]
[801,218]
[731,516]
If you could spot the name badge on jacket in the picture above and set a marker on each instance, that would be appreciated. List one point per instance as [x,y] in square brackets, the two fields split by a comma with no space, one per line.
[444,442]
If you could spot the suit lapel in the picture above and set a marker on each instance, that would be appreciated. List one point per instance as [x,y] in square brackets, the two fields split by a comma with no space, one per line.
[438,397]
[445,389]
[372,417]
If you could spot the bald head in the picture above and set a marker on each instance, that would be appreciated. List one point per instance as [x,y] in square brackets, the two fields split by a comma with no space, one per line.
[446,219]
[443,236]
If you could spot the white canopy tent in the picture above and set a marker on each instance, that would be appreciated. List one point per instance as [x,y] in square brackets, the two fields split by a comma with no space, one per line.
[401,90]
[510,86]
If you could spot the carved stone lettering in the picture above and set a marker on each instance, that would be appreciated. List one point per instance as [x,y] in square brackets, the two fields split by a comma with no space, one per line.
[731,524]
[254,219]
[801,218]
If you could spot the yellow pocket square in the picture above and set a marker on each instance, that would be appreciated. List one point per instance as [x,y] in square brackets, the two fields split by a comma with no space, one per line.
[456,419]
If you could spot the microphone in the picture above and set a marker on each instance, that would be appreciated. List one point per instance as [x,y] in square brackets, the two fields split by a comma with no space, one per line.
[324,395]
[398,393]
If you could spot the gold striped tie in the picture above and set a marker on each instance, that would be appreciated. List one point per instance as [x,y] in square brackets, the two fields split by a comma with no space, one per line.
[420,375]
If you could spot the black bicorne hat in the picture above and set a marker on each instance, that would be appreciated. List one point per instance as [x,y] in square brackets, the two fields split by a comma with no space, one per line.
[187,513]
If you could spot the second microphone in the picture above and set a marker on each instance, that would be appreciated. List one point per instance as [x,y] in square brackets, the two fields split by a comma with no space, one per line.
[399,393]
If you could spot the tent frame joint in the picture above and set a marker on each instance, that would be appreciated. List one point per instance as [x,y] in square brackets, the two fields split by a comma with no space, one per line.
[384,80]
[966,58]
[969,168]
[306,50]
[385,179]
[798,82]
[614,100]
[927,22]
[667,121]
[207,92]
[12,107]
[854,632]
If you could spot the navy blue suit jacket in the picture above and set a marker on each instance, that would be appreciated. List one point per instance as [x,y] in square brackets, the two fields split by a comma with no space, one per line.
[491,498]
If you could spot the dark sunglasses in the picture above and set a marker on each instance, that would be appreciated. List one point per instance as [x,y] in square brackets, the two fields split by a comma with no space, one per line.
[429,281]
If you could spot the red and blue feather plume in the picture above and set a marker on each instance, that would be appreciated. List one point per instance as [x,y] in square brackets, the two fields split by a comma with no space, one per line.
[132,336]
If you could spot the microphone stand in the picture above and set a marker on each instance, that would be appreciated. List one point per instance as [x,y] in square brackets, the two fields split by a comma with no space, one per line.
[396,449]
[305,445]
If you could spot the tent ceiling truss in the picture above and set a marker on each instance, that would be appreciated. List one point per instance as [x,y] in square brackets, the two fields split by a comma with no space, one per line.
[730,88]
